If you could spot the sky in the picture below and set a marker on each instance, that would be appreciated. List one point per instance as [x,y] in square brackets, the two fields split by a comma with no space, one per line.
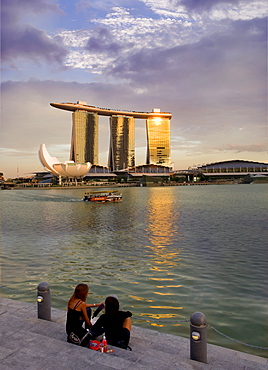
[205,61]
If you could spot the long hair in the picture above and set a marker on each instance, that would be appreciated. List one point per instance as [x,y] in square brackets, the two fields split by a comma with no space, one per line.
[80,292]
[111,305]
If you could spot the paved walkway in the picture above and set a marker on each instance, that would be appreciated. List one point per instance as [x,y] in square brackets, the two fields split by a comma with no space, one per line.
[27,342]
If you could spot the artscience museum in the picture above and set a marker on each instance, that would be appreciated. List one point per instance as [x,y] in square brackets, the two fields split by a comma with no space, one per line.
[66,169]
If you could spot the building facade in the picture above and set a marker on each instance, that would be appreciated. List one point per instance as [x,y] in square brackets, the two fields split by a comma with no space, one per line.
[84,142]
[122,143]
[158,141]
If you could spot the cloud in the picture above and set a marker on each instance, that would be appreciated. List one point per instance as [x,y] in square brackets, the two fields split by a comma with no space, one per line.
[19,40]
[14,10]
[103,42]
[82,5]
[205,65]
[227,67]
[120,35]
[207,10]
[16,153]
[32,44]
[255,147]
[205,4]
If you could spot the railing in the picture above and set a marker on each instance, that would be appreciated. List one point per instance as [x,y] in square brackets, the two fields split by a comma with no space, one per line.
[198,323]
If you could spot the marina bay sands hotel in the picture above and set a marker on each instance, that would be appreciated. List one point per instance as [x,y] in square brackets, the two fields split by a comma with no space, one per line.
[84,142]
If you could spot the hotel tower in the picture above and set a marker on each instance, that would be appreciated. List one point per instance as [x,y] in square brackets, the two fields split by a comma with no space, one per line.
[122,150]
[158,141]
[84,142]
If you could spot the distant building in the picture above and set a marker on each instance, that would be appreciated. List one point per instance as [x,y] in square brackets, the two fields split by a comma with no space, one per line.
[84,142]
[234,166]
[122,150]
[158,141]
[150,169]
[233,170]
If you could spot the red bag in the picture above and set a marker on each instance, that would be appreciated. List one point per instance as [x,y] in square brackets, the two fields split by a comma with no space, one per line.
[95,345]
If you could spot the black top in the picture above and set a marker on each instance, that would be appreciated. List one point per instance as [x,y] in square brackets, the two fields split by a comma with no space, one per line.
[112,325]
[74,323]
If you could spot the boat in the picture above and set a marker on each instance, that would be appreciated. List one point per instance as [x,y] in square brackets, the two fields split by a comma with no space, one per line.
[102,196]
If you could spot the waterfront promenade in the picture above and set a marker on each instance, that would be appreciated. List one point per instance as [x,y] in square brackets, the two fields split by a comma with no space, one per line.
[30,343]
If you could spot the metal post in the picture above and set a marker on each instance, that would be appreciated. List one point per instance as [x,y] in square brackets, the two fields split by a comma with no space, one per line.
[198,337]
[43,301]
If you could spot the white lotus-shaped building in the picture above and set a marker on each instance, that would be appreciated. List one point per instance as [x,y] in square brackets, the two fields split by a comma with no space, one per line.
[66,169]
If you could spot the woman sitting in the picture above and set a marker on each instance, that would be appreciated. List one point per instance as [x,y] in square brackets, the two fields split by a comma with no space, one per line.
[115,323]
[78,312]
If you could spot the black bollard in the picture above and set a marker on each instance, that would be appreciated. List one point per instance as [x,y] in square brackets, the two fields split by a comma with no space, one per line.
[198,337]
[43,301]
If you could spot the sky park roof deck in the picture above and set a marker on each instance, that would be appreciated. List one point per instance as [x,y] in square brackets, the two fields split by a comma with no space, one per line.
[81,105]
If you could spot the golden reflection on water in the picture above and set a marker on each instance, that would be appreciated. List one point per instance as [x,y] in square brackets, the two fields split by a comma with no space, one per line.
[168,286]
[167,307]
[155,268]
[140,298]
[159,315]
[162,230]
[163,235]
[161,219]
[161,279]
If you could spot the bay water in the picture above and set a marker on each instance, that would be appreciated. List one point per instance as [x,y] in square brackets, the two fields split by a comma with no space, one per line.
[166,252]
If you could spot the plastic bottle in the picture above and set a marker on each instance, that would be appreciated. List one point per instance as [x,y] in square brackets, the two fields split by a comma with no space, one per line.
[104,344]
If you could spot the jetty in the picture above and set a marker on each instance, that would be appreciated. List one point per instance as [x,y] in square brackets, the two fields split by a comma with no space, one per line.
[31,343]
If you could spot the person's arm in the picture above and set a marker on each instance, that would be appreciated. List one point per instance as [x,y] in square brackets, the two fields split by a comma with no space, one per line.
[84,311]
[93,305]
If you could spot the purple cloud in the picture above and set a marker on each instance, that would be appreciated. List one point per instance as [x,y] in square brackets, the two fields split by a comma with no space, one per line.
[204,4]
[102,41]
[31,43]
[235,57]
[20,40]
[14,10]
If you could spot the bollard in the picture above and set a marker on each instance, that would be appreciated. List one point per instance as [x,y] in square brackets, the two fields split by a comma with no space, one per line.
[198,337]
[43,301]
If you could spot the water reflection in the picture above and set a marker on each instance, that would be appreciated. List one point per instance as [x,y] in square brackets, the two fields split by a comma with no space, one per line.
[157,250]
[162,228]
[163,235]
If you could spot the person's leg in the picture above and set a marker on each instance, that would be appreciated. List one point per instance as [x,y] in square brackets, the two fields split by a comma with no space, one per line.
[125,333]
[127,323]
[125,337]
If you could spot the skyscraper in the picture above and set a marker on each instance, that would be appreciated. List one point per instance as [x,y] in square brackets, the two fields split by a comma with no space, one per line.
[158,140]
[84,142]
[121,151]
[84,145]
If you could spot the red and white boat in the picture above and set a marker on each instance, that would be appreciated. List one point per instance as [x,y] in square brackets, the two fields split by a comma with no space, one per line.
[103,196]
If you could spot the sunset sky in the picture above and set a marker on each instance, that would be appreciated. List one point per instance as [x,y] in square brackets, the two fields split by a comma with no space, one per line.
[202,60]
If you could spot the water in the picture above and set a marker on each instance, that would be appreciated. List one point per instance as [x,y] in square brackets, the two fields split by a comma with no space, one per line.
[167,252]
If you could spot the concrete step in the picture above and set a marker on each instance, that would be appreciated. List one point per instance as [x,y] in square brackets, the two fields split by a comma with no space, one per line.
[27,342]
